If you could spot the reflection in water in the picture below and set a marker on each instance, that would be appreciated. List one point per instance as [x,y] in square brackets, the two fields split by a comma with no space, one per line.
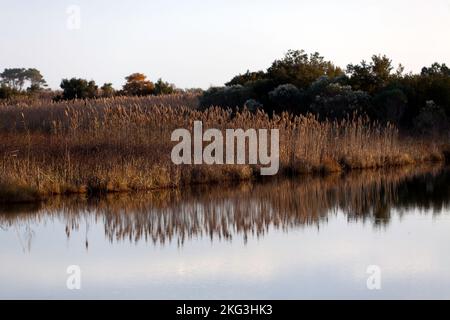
[249,209]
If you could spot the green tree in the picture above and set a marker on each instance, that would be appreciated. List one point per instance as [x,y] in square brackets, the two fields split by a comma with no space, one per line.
[78,89]
[372,76]
[247,77]
[14,78]
[107,90]
[37,81]
[162,87]
[301,69]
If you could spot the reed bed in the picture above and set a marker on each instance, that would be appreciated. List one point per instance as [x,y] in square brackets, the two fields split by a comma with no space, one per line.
[123,144]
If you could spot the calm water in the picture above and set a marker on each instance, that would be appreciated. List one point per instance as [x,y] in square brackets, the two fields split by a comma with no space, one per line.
[285,239]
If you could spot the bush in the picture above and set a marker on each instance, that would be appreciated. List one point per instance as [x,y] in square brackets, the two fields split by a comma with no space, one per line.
[231,96]
[107,90]
[253,105]
[162,87]
[337,101]
[78,89]
[389,105]
[7,92]
[431,119]
[286,97]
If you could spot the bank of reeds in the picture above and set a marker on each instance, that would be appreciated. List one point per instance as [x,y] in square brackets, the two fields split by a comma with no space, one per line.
[123,144]
[246,209]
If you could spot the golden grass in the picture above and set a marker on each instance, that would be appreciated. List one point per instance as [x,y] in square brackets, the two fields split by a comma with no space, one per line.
[123,144]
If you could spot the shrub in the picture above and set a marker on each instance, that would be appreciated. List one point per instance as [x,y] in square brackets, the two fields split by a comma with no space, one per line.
[107,90]
[389,105]
[431,119]
[285,97]
[337,101]
[253,105]
[78,89]
[162,87]
[7,92]
[231,96]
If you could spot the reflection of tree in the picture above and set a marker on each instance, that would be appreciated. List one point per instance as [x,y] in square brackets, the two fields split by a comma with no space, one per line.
[249,209]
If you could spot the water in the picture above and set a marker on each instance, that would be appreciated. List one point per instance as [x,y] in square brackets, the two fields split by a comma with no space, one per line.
[309,237]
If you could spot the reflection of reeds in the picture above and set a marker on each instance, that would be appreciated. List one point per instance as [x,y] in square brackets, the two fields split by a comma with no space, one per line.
[247,209]
[123,144]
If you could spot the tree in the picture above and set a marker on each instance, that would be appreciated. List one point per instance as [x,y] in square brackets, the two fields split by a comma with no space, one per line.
[14,78]
[162,87]
[78,89]
[389,105]
[36,79]
[431,119]
[247,77]
[372,76]
[232,96]
[301,70]
[436,69]
[138,85]
[337,101]
[107,90]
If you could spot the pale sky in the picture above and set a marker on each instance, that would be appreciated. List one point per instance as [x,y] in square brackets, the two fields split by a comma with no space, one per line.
[194,43]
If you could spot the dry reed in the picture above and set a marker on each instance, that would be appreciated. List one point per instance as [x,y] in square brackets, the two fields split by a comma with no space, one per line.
[123,144]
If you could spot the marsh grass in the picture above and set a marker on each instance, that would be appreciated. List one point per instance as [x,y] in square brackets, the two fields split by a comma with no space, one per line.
[123,144]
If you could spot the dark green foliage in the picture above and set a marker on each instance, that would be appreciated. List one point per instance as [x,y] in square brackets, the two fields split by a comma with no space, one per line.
[336,101]
[36,80]
[78,89]
[302,83]
[247,77]
[13,82]
[232,96]
[14,78]
[107,90]
[372,76]
[301,70]
[389,105]
[286,97]
[162,87]
[431,119]
[7,92]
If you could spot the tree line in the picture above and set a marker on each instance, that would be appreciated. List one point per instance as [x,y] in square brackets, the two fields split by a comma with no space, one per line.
[300,83]
[307,83]
[21,82]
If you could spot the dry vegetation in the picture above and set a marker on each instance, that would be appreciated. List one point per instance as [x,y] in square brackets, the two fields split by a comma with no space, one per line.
[123,144]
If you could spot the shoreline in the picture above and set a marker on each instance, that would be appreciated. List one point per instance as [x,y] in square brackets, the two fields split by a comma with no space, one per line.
[33,196]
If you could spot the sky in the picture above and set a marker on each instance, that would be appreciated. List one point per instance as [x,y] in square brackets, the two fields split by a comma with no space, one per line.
[194,43]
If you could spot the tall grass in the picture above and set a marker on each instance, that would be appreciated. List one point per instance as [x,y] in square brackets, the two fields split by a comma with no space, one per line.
[123,144]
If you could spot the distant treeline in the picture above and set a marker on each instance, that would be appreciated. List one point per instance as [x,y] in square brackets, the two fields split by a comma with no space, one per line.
[302,83]
[29,82]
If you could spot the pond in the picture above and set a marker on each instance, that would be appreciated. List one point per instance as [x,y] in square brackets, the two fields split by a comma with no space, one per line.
[364,235]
